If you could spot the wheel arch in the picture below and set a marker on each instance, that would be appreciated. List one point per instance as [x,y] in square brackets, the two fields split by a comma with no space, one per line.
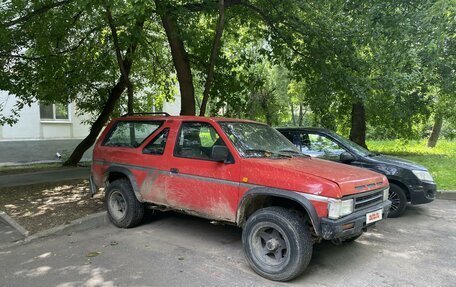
[260,197]
[118,172]
[402,185]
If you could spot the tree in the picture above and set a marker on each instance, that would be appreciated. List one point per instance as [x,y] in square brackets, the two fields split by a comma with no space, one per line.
[439,61]
[68,52]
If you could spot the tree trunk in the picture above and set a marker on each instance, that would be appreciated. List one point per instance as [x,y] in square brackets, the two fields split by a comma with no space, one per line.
[98,125]
[180,60]
[438,122]
[301,115]
[293,117]
[358,124]
[213,57]
[114,96]
[265,107]
[130,98]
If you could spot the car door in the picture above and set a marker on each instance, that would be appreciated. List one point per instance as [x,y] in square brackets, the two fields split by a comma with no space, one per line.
[197,183]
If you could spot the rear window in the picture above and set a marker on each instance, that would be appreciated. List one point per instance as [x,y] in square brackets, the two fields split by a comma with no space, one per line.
[130,133]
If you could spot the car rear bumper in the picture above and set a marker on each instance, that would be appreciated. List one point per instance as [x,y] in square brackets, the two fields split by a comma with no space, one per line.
[423,193]
[351,225]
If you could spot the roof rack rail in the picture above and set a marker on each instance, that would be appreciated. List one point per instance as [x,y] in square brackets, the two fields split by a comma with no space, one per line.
[156,113]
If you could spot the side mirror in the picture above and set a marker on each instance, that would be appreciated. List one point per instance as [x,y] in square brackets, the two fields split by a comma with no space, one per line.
[220,153]
[346,157]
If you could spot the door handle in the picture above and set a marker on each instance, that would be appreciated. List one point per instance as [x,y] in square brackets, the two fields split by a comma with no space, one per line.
[174,170]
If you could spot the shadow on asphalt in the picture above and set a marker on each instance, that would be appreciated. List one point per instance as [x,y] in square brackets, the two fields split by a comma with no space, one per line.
[325,254]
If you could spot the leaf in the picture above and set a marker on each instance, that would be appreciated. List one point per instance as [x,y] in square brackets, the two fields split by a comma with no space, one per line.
[93,254]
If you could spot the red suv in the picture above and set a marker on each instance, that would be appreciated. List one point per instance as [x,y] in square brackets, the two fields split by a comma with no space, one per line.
[240,172]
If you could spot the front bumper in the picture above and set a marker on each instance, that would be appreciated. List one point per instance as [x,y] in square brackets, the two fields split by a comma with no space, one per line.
[423,193]
[334,229]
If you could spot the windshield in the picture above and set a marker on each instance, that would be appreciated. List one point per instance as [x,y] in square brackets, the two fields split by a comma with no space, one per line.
[354,146]
[258,140]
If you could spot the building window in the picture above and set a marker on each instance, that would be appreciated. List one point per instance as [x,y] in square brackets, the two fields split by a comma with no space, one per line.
[54,111]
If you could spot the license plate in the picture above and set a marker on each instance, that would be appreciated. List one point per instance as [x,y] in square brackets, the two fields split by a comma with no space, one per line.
[374,216]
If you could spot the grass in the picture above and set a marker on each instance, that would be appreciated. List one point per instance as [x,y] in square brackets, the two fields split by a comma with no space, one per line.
[441,160]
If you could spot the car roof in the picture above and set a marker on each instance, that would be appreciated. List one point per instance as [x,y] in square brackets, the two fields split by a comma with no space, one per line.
[308,129]
[180,118]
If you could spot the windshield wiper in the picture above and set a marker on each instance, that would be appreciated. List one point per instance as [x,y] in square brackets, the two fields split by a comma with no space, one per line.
[294,152]
[267,153]
[371,154]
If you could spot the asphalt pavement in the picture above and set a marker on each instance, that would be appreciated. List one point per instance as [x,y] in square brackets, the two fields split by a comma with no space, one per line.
[418,249]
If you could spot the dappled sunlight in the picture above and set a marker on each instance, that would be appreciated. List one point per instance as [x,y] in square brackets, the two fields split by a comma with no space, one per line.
[96,279]
[44,255]
[95,276]
[44,206]
[35,272]
[407,254]
[365,242]
[374,234]
[87,275]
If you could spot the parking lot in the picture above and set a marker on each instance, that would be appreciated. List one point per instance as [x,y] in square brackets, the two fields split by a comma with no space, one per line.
[418,249]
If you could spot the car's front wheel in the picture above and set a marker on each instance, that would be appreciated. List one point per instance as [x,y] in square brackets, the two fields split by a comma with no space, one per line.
[277,243]
[124,210]
[398,201]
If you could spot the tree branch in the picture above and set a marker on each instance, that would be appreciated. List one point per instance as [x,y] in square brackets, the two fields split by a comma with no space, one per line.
[213,57]
[36,12]
[120,60]
[270,23]
[61,52]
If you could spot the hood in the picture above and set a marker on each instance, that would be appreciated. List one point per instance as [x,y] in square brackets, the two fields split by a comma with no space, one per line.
[312,175]
[399,162]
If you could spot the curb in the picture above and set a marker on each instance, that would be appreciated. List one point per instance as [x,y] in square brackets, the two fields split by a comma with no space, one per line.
[446,194]
[89,222]
[14,224]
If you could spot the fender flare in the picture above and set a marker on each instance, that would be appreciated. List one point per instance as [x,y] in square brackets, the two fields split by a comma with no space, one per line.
[294,196]
[128,174]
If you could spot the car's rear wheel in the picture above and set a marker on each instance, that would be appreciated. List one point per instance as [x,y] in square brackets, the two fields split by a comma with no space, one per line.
[124,210]
[398,201]
[277,243]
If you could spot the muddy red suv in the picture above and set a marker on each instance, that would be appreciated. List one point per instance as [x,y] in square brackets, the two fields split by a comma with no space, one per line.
[241,172]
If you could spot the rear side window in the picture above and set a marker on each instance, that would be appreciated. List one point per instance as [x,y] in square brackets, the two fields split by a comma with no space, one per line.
[130,133]
[157,145]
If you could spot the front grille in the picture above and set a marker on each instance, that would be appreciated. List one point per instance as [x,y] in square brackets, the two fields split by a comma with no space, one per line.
[367,199]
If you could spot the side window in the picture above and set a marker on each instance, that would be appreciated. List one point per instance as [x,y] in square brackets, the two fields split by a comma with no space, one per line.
[196,140]
[157,145]
[130,133]
[299,139]
[323,147]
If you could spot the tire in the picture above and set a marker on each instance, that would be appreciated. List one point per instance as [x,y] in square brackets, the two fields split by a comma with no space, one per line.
[277,243]
[398,201]
[124,210]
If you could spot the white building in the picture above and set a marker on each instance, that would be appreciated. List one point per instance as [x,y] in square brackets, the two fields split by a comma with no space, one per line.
[45,130]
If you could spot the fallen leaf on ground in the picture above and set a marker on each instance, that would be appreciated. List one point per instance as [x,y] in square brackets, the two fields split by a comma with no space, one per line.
[93,254]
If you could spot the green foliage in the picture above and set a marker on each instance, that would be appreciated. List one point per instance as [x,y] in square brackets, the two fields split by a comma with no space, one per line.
[66,53]
[396,57]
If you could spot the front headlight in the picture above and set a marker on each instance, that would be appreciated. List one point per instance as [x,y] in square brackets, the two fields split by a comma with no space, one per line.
[386,192]
[338,208]
[423,175]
